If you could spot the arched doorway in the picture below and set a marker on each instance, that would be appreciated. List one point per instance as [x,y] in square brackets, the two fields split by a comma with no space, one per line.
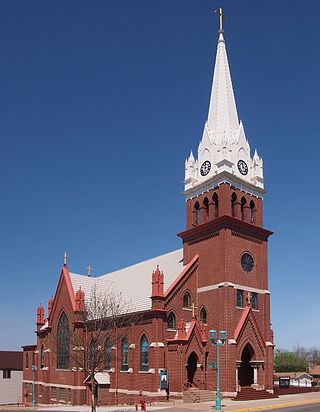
[246,370]
[192,366]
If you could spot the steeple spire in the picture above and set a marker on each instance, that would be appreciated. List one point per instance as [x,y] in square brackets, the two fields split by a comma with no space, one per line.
[222,117]
[224,151]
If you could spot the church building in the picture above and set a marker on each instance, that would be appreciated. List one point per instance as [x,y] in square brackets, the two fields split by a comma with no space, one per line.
[217,280]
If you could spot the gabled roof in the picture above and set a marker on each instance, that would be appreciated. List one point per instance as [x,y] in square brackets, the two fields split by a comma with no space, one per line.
[102,378]
[292,375]
[133,282]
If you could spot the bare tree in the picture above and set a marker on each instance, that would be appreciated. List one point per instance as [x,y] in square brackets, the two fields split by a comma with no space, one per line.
[103,318]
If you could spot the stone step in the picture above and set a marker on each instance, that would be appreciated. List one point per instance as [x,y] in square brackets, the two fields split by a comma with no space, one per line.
[249,394]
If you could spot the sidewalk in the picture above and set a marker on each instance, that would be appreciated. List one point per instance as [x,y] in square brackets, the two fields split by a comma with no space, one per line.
[284,401]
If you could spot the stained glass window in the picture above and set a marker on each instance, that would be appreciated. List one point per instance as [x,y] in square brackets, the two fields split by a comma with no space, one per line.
[144,350]
[203,315]
[240,298]
[63,342]
[254,300]
[171,321]
[107,354]
[42,357]
[124,353]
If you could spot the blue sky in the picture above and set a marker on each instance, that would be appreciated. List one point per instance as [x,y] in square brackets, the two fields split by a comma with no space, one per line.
[101,102]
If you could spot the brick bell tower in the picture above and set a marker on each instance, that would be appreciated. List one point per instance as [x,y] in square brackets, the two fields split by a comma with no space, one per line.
[224,189]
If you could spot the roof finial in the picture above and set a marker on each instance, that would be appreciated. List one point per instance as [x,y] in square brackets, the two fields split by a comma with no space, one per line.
[65,258]
[89,270]
[221,17]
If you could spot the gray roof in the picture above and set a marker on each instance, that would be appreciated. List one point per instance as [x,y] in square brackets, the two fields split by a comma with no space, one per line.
[133,282]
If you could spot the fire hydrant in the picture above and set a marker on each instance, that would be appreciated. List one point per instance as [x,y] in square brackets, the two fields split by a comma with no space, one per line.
[143,405]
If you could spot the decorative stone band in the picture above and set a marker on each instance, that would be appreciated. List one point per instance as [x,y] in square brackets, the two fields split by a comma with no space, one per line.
[217,180]
[270,344]
[58,385]
[132,392]
[156,345]
[233,285]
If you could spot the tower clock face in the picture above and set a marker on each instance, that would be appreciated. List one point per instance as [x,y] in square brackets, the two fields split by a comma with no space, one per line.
[205,168]
[247,262]
[242,166]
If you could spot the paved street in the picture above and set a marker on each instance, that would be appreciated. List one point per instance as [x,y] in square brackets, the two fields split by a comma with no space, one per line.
[307,402]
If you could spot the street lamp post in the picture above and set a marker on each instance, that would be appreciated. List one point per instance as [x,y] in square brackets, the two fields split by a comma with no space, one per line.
[34,368]
[218,342]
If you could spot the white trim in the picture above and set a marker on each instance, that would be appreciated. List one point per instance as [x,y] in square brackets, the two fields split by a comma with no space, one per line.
[217,180]
[131,392]
[270,344]
[157,344]
[233,285]
[56,385]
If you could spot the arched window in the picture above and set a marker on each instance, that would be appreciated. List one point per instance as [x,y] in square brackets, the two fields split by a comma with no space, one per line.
[42,357]
[27,360]
[124,354]
[203,315]
[171,321]
[33,359]
[107,354]
[187,300]
[254,300]
[196,214]
[243,203]
[252,206]
[240,302]
[216,204]
[206,205]
[144,350]
[233,204]
[63,342]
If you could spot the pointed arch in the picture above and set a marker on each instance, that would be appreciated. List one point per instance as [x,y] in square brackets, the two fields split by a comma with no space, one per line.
[63,340]
[144,353]
[124,354]
[172,323]
[233,204]
[42,357]
[196,214]
[203,315]
[186,300]
[243,204]
[206,206]
[215,199]
[252,211]
[246,370]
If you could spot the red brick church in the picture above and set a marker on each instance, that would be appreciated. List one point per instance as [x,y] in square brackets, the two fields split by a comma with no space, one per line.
[217,280]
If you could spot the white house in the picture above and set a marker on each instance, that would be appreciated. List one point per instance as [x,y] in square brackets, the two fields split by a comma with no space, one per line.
[10,377]
[296,379]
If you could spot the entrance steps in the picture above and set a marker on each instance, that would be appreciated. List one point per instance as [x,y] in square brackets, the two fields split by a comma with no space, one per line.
[248,394]
[193,395]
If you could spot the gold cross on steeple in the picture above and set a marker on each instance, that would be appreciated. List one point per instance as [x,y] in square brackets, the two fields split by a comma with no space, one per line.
[249,298]
[193,310]
[221,17]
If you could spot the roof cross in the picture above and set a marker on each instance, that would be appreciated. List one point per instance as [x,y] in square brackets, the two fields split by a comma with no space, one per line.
[249,298]
[89,270]
[221,17]
[65,258]
[193,307]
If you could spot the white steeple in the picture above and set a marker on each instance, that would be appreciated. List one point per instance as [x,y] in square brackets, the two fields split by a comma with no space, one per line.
[224,151]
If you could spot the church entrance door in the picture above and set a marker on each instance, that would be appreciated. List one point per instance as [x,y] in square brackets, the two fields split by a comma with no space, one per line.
[192,366]
[246,370]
